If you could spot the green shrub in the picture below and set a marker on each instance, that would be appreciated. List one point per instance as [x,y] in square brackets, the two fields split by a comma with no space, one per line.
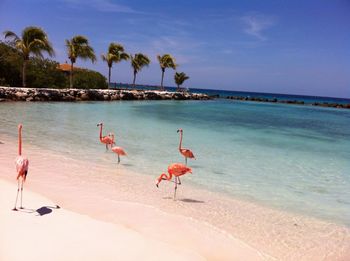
[87,79]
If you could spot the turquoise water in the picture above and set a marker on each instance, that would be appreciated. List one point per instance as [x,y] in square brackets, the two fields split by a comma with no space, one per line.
[294,158]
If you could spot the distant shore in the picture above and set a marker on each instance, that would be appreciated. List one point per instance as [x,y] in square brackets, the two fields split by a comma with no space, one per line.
[296,102]
[71,95]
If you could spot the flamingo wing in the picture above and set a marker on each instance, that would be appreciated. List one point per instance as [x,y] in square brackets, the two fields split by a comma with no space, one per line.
[22,165]
[187,153]
[119,150]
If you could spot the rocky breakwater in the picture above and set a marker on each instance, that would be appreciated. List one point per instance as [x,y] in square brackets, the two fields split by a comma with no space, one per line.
[297,102]
[71,95]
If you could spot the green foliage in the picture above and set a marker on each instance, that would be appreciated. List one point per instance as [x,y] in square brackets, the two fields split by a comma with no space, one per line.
[43,73]
[10,65]
[166,61]
[87,79]
[33,41]
[180,78]
[78,47]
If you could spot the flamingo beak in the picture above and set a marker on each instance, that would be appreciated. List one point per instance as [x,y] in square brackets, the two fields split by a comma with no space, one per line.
[178,131]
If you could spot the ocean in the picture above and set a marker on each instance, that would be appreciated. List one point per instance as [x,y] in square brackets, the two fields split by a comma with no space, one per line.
[294,158]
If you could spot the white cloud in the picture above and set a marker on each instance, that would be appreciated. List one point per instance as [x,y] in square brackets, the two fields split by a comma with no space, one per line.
[102,5]
[256,24]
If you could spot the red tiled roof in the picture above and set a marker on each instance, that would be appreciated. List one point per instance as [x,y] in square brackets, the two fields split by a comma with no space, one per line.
[66,67]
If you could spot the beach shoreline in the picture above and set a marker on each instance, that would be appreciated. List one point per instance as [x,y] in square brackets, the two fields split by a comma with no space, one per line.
[117,192]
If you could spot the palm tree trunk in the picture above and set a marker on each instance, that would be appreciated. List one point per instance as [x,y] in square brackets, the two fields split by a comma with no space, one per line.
[109,76]
[24,71]
[134,78]
[161,83]
[178,88]
[71,76]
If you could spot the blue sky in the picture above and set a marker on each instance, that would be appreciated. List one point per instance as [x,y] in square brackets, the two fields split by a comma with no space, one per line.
[297,47]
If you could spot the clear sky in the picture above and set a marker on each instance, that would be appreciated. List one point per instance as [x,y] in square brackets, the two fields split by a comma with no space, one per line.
[296,47]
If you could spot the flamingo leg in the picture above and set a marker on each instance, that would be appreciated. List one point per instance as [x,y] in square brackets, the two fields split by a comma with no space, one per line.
[118,159]
[106,147]
[186,161]
[179,180]
[15,209]
[21,207]
[175,181]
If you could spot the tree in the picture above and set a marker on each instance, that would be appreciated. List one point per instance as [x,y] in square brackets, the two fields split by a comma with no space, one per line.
[179,79]
[78,47]
[33,41]
[88,79]
[139,61]
[115,54]
[166,61]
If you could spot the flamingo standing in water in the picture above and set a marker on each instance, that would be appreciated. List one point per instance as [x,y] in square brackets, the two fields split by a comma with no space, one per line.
[22,164]
[177,170]
[118,150]
[104,139]
[187,153]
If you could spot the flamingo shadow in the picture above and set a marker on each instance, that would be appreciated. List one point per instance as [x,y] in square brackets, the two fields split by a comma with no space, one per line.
[127,164]
[40,211]
[189,200]
[1,142]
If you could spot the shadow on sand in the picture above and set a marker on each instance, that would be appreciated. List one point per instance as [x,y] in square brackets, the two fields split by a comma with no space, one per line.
[187,200]
[40,211]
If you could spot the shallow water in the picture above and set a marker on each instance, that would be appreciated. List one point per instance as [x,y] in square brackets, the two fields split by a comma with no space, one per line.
[294,158]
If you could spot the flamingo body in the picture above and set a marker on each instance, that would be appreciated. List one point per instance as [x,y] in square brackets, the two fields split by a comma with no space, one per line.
[187,153]
[177,170]
[118,150]
[22,165]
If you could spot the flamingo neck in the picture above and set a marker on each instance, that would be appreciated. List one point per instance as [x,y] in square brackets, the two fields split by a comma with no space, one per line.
[19,141]
[101,132]
[180,140]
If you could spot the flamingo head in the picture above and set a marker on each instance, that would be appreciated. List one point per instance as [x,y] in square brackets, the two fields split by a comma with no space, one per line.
[179,130]
[158,180]
[100,124]
[20,126]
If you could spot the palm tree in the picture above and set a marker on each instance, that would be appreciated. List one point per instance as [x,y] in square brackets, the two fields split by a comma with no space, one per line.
[115,55]
[33,41]
[179,79]
[138,62]
[78,47]
[166,61]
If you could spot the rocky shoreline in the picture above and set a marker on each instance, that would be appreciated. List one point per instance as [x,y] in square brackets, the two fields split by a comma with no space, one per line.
[72,95]
[296,102]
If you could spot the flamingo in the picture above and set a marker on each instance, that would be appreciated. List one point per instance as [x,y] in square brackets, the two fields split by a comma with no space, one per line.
[22,164]
[104,139]
[176,169]
[118,150]
[187,153]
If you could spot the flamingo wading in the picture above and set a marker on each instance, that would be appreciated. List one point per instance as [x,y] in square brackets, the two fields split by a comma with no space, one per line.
[104,139]
[176,170]
[118,150]
[22,164]
[187,153]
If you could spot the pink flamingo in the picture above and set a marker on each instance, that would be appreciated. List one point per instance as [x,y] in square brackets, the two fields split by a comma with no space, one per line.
[22,164]
[104,139]
[187,153]
[176,169]
[118,150]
